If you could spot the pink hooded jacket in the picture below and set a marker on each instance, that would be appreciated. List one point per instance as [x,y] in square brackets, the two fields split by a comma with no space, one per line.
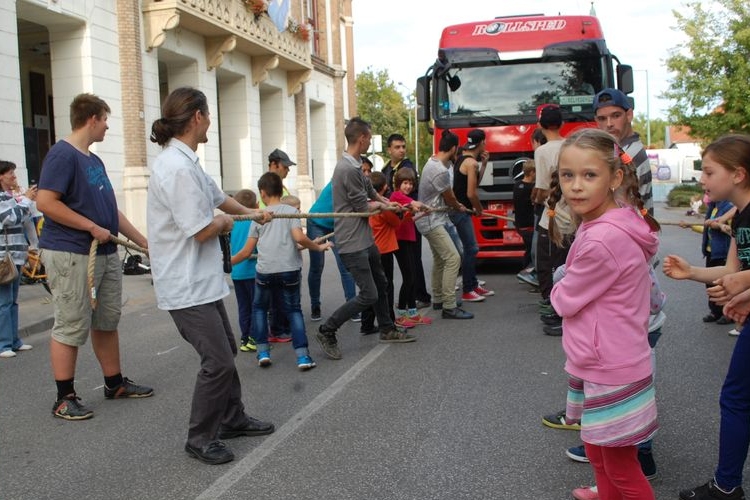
[604,299]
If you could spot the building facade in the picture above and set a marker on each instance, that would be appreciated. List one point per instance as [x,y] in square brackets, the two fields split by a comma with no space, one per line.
[266,88]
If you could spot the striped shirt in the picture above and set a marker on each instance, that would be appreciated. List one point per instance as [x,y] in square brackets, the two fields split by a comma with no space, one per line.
[13,216]
[634,148]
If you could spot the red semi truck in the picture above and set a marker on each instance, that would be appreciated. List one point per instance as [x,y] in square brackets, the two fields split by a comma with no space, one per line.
[495,75]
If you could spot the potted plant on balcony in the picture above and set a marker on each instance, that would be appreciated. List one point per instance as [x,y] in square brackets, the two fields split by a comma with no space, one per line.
[257,7]
[301,31]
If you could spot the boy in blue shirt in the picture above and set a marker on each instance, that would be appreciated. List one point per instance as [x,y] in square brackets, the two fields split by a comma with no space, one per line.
[243,270]
[279,268]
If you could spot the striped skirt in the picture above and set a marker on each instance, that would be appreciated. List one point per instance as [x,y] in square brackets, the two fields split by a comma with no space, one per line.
[613,415]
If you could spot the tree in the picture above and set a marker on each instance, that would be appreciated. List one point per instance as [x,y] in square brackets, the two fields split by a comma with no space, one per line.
[712,69]
[658,130]
[380,103]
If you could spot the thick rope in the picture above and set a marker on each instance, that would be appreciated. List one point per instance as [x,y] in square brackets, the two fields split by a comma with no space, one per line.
[322,215]
[128,244]
[90,272]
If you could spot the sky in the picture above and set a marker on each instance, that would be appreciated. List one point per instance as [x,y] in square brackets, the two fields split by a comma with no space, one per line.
[402,36]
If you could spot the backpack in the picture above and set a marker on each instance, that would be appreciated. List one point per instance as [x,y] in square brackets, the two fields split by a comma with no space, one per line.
[133,264]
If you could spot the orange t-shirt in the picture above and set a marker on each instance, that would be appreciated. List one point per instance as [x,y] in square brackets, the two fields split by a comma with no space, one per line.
[384,227]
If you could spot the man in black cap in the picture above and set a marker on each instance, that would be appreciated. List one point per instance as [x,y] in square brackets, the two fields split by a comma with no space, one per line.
[279,163]
[548,255]
[614,114]
[467,172]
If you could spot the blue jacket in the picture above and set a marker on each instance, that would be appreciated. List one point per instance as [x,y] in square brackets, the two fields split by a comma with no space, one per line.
[715,242]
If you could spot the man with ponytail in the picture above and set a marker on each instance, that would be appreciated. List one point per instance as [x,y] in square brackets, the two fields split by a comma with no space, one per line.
[186,264]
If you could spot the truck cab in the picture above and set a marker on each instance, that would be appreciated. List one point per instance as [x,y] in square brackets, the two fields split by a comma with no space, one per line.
[496,75]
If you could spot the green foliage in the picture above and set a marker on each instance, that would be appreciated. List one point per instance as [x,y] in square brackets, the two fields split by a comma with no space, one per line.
[381,104]
[658,128]
[712,69]
[680,195]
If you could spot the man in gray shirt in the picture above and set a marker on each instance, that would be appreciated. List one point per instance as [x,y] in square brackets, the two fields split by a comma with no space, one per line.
[435,191]
[351,193]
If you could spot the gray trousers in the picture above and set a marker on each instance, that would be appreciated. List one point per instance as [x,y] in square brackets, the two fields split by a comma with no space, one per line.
[217,397]
[367,270]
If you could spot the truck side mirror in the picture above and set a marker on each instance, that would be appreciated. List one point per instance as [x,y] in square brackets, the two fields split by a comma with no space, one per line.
[423,99]
[625,78]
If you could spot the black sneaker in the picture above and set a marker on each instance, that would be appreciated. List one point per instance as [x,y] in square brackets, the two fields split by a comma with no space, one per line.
[315,314]
[559,421]
[128,390]
[328,342]
[456,313]
[710,491]
[438,306]
[213,453]
[71,408]
[648,466]
[253,427]
[369,330]
[421,304]
[553,330]
[551,319]
[396,336]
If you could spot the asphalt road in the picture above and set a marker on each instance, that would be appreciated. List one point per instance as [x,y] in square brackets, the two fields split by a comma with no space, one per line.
[456,415]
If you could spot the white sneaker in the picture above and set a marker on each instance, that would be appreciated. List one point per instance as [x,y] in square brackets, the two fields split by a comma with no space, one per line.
[481,282]
[732,333]
[7,354]
[25,347]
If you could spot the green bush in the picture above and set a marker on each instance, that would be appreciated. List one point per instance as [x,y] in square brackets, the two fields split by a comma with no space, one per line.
[680,195]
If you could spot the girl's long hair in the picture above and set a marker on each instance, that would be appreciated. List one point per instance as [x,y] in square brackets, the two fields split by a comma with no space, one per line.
[610,153]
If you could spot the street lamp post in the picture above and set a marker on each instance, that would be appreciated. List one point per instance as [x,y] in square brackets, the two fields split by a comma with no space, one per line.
[648,110]
[411,98]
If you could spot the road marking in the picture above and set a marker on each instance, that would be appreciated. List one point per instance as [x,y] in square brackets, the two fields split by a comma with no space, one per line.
[251,461]
[167,351]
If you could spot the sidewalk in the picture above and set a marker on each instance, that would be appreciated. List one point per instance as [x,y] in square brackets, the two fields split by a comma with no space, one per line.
[36,311]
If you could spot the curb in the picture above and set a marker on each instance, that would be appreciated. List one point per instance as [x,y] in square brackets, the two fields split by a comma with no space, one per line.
[38,327]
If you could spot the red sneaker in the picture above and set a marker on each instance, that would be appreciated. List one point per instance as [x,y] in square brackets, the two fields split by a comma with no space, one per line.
[420,320]
[405,322]
[479,290]
[586,493]
[472,296]
[282,339]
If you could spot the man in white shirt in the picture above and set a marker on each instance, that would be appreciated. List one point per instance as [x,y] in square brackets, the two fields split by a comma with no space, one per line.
[186,265]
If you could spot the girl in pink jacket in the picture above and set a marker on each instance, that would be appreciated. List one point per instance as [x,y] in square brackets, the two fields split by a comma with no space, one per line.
[604,302]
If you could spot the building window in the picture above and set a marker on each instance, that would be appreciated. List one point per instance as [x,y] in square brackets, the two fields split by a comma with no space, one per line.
[312,19]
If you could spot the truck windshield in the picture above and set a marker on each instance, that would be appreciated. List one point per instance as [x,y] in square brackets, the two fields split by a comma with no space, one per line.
[517,88]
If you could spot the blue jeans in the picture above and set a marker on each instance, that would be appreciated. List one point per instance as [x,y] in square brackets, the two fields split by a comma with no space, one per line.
[287,284]
[367,270]
[317,262]
[9,315]
[451,230]
[244,290]
[734,433]
[465,230]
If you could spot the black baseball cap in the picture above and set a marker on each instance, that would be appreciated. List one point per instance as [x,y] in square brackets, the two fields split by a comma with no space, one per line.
[279,156]
[612,97]
[550,116]
[475,138]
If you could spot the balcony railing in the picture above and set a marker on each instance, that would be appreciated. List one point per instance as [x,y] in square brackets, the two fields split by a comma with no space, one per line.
[227,25]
